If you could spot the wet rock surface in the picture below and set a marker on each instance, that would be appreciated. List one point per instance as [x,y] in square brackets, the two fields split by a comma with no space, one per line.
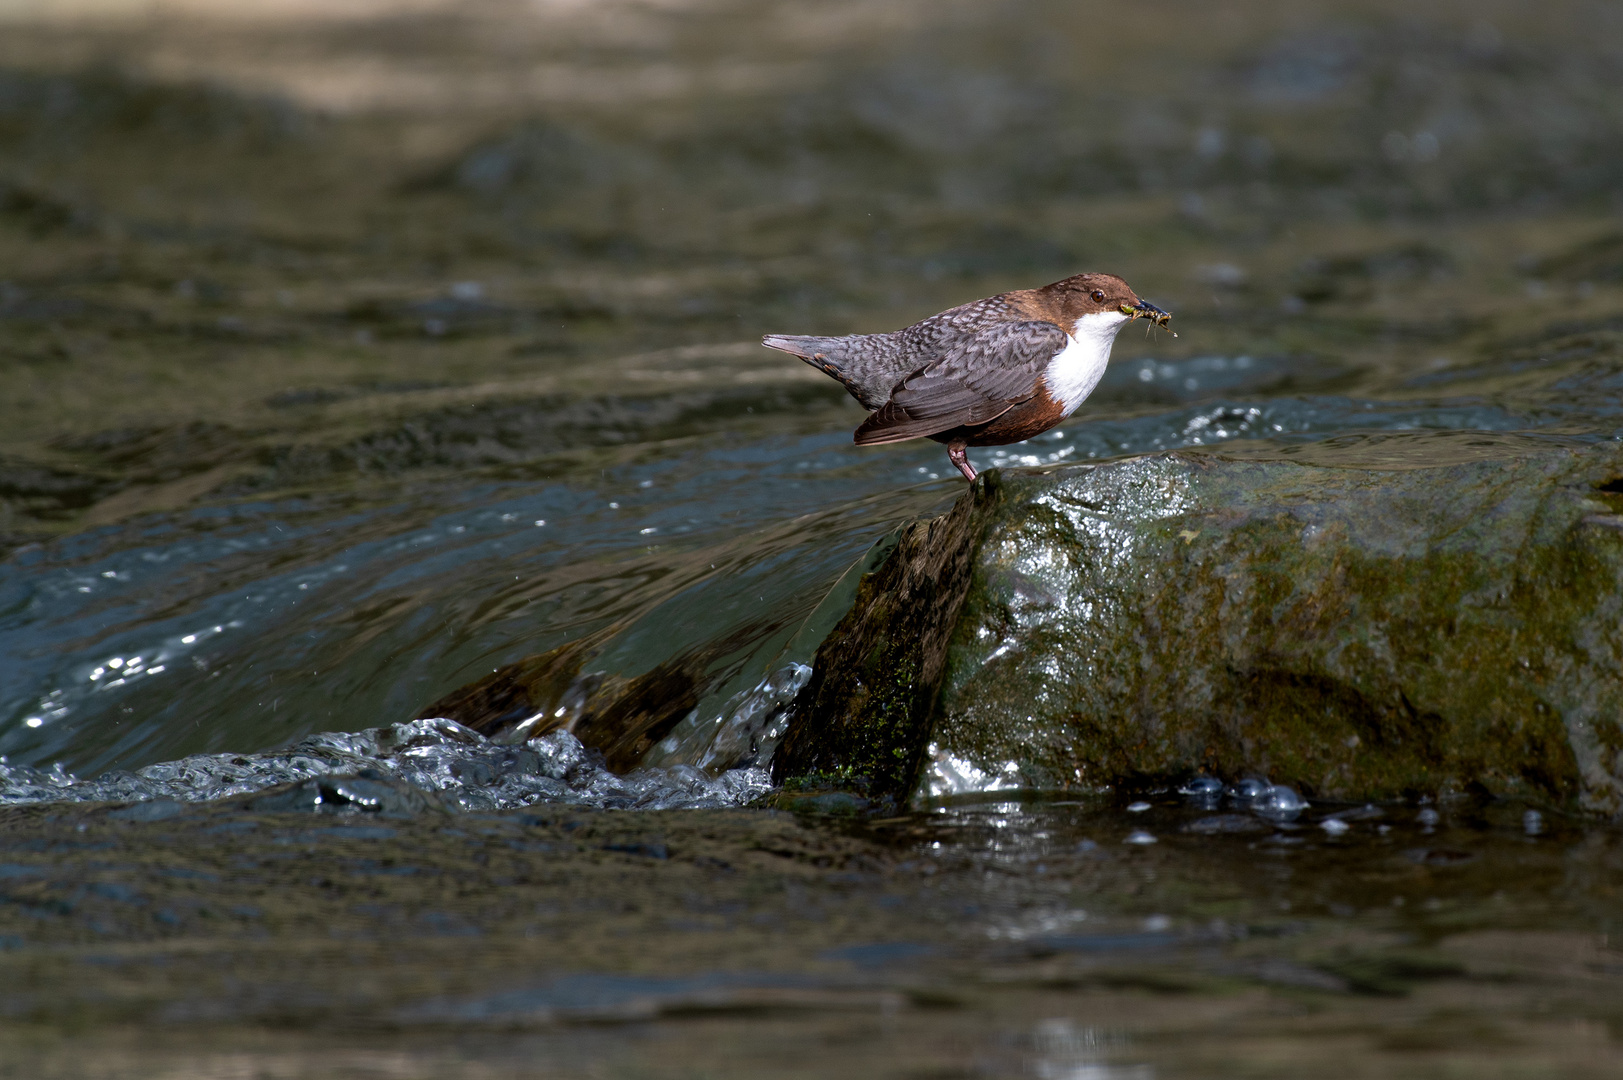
[1379,618]
[863,718]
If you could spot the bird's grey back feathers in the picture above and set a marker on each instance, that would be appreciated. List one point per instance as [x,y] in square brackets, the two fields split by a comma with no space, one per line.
[871,365]
[976,378]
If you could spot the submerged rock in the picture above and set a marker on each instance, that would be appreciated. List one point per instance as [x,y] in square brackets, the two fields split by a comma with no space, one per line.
[1369,617]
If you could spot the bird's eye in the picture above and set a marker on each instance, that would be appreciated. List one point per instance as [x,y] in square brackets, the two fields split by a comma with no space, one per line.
[1098,296]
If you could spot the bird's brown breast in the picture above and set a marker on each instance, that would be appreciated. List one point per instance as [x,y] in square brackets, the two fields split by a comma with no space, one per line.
[1031,417]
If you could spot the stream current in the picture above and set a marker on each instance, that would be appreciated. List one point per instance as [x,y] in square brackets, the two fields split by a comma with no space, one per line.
[221,651]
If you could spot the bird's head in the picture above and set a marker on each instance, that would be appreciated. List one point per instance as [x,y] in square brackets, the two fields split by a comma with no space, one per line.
[1103,294]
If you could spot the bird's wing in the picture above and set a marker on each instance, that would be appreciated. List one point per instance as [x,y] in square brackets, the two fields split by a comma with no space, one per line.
[975,379]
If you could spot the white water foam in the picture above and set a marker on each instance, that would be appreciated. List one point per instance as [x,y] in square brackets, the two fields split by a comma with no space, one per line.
[442,756]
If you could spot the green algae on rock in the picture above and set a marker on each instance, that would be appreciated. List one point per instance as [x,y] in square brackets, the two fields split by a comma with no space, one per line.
[872,692]
[1370,618]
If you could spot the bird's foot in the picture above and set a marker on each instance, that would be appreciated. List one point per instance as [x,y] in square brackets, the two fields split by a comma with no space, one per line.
[958,453]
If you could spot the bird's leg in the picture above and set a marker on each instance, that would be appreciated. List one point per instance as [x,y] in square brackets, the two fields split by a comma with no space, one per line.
[958,452]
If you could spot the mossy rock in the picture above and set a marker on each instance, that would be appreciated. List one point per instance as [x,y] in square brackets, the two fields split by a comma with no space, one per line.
[1371,618]
[863,719]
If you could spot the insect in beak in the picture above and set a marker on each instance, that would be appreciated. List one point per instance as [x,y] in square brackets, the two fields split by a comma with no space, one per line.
[1146,310]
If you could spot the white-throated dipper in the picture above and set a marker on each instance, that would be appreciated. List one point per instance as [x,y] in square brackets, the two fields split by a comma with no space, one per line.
[986,373]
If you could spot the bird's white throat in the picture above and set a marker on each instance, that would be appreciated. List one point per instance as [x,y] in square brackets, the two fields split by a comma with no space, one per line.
[1076,369]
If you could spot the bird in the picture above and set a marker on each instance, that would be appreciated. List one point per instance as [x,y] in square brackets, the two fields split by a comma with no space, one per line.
[986,373]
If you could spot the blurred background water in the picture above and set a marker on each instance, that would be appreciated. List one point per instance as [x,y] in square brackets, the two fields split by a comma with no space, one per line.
[349,353]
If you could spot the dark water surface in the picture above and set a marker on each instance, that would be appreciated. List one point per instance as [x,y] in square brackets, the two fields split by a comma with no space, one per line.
[345,360]
[1181,936]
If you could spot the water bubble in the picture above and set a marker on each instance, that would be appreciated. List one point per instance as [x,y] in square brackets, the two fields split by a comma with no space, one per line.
[1428,818]
[1157,924]
[1137,807]
[1281,800]
[1251,789]
[1203,791]
[1204,786]
[1532,823]
[1139,836]
[1334,826]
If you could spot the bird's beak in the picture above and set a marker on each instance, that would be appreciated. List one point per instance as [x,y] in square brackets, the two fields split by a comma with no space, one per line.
[1146,310]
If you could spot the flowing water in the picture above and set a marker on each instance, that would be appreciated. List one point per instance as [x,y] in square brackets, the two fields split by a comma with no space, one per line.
[243,630]
[347,360]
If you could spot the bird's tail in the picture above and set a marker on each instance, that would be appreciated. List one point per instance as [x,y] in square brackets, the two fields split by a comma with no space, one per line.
[805,347]
[823,353]
[850,361]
